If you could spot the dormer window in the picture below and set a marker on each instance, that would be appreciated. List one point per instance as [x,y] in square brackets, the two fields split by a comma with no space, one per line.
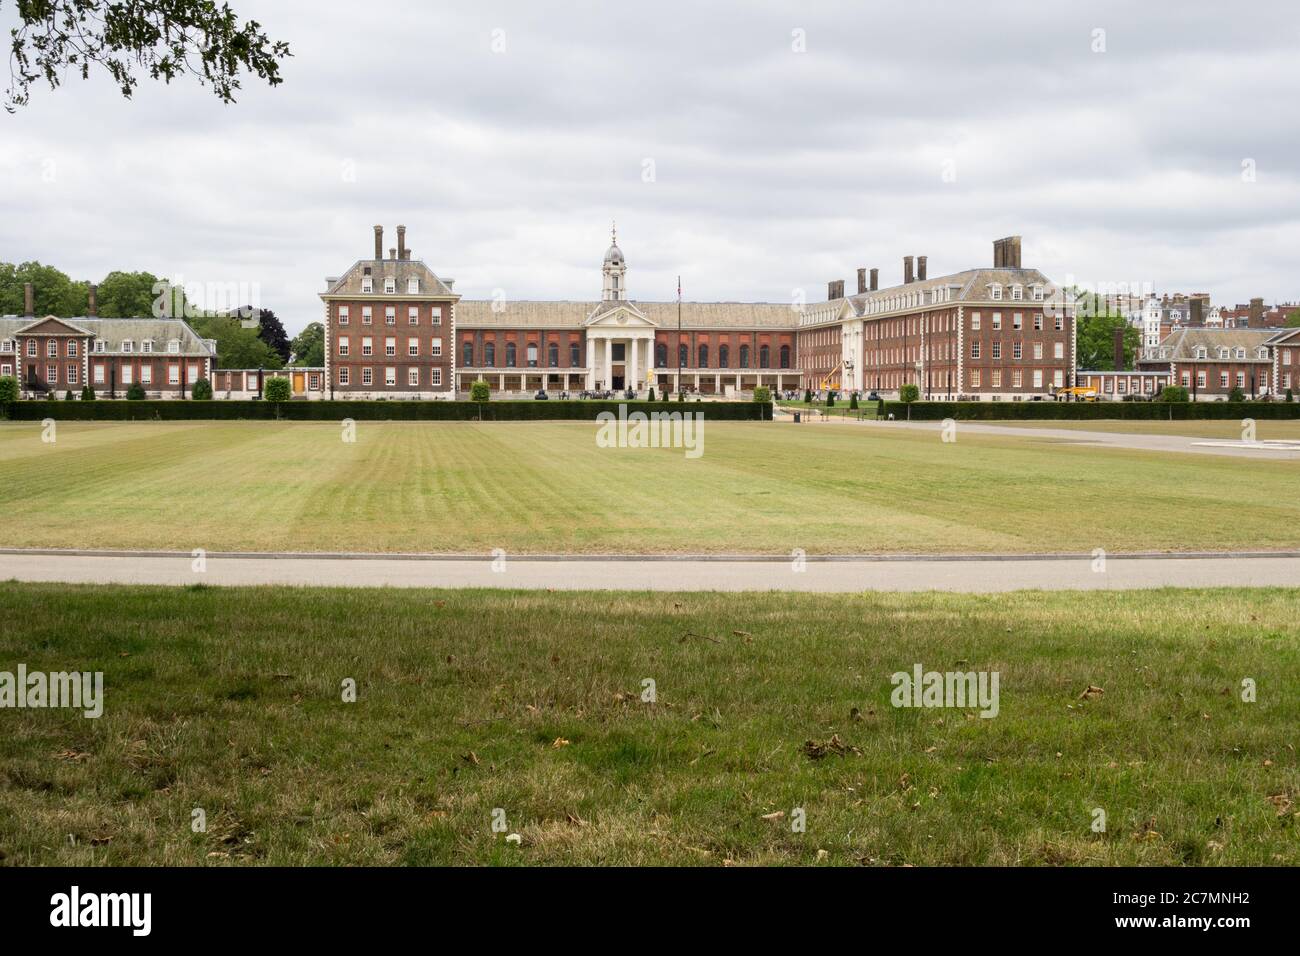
[367,284]
[1263,352]
[101,345]
[995,292]
[390,285]
[1241,353]
[1037,293]
[173,346]
[128,345]
[1223,352]
[1201,353]
[412,286]
[1017,293]
[146,345]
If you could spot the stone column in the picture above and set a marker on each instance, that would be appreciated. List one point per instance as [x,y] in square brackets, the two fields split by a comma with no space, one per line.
[591,362]
[609,363]
[631,368]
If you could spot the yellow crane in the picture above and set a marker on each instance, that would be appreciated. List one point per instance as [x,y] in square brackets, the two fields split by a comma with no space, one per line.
[832,378]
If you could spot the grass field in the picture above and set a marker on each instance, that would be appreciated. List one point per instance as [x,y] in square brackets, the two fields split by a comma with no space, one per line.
[229,701]
[548,487]
[1264,429]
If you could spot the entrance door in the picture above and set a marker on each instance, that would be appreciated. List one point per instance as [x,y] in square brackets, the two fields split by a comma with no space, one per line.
[299,383]
[617,376]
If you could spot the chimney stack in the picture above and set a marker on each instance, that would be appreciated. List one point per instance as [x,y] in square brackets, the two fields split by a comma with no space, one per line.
[392,252]
[907,269]
[93,308]
[834,290]
[1255,318]
[1013,252]
[379,242]
[862,281]
[920,268]
[29,300]
[875,279]
[1196,315]
[401,242]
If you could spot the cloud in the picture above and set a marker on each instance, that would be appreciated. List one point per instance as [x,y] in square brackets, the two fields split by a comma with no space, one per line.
[506,136]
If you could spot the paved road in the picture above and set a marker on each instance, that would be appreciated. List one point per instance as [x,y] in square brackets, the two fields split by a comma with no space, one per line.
[1057,573]
[1178,443]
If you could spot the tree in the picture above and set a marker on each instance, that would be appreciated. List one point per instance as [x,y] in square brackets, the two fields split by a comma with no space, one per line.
[8,389]
[1236,395]
[135,393]
[53,292]
[1293,319]
[1097,323]
[853,401]
[276,389]
[480,391]
[271,331]
[762,395]
[127,295]
[1173,393]
[237,347]
[909,393]
[309,346]
[202,390]
[87,393]
[165,38]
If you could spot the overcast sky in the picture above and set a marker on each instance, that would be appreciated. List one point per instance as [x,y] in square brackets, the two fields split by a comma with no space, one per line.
[785,144]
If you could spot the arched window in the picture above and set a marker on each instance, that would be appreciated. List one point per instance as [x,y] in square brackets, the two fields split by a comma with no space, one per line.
[467,356]
[683,356]
[724,353]
[704,357]
[575,360]
[744,356]
[511,355]
[661,355]
[785,356]
[764,357]
[553,355]
[490,354]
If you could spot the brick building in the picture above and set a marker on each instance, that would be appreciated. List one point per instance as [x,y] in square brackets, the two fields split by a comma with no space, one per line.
[164,356]
[1000,333]
[389,327]
[1210,363]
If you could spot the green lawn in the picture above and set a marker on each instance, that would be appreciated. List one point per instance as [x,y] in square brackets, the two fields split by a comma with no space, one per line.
[228,701]
[1227,429]
[548,487]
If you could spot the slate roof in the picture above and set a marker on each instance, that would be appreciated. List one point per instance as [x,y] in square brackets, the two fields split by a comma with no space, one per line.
[113,332]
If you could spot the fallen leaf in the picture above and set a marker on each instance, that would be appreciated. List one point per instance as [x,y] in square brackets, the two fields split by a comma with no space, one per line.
[1091,693]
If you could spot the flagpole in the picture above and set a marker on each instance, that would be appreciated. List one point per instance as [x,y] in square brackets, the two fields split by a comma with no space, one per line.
[679,333]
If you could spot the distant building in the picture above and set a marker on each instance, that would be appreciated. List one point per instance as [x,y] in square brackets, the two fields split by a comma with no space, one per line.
[1210,363]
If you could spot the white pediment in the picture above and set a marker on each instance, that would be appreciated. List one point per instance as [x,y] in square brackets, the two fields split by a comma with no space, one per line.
[618,315]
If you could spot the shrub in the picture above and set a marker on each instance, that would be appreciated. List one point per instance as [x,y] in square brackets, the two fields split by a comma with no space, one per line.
[1236,395]
[909,393]
[830,399]
[880,409]
[135,393]
[651,396]
[1289,397]
[68,396]
[807,396]
[853,401]
[762,394]
[1173,393]
[202,390]
[87,393]
[276,389]
[480,391]
[8,389]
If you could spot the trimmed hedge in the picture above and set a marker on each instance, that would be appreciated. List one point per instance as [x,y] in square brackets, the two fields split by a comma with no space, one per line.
[1091,411]
[519,411]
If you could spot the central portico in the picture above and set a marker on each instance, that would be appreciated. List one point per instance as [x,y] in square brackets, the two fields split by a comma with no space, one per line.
[620,344]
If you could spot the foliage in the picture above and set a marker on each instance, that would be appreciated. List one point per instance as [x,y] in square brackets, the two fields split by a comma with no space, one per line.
[1173,393]
[164,39]
[271,331]
[237,346]
[276,389]
[202,390]
[8,389]
[309,346]
[763,394]
[1236,395]
[87,393]
[135,393]
[53,292]
[480,391]
[909,393]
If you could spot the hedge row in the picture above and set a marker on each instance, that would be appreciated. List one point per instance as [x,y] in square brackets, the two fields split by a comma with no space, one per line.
[552,410]
[1048,411]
